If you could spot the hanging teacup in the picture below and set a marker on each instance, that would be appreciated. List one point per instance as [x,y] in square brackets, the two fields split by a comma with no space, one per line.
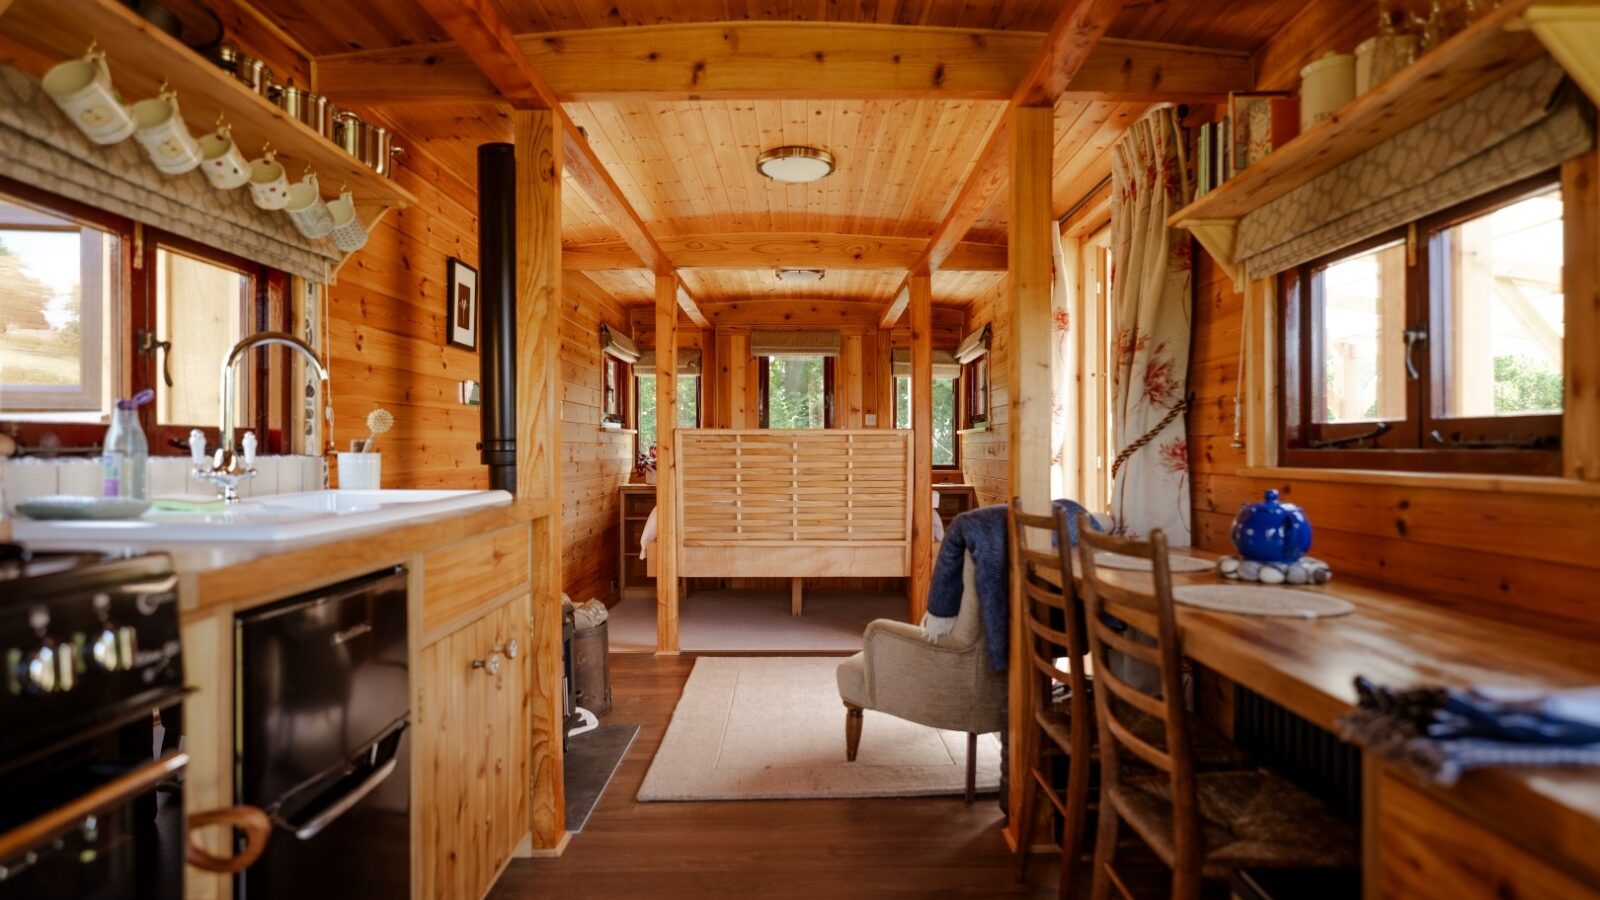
[82,89]
[164,136]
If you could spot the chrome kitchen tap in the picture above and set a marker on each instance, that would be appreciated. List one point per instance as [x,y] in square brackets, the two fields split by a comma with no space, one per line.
[225,469]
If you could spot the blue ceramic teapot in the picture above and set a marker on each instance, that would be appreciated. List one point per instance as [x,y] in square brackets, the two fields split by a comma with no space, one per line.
[1271,532]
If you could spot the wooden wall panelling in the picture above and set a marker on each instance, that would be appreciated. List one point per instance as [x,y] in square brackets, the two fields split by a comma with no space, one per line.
[387,339]
[463,576]
[1031,236]
[539,159]
[986,453]
[668,520]
[921,287]
[595,461]
[850,377]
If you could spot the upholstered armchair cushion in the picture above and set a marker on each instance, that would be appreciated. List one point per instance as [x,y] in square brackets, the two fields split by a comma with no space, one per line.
[944,682]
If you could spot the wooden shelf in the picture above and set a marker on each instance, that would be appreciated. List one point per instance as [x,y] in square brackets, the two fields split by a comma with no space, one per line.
[1452,71]
[142,56]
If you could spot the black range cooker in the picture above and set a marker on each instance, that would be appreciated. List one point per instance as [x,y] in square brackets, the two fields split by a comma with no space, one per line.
[91,803]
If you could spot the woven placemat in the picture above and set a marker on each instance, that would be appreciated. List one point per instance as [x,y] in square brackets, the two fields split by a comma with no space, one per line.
[1261,600]
[1176,562]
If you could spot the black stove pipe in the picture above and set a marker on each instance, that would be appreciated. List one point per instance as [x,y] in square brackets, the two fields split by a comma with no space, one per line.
[497,304]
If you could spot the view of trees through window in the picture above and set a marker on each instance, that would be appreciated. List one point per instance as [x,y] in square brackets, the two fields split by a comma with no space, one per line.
[41,300]
[796,392]
[688,407]
[944,415]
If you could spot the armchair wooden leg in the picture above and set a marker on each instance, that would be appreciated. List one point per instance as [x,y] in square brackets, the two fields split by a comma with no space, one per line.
[972,766]
[852,731]
[796,598]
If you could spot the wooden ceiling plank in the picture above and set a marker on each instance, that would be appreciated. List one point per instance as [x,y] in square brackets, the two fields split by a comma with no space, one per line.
[777,60]
[478,29]
[1071,40]
[784,249]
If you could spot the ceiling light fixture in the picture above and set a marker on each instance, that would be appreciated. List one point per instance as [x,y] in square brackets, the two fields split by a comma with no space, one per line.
[795,164]
[801,276]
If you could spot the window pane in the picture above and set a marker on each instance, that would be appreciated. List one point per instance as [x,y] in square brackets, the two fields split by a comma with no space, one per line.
[1503,311]
[647,413]
[944,421]
[55,283]
[902,401]
[200,308]
[1359,374]
[688,401]
[795,392]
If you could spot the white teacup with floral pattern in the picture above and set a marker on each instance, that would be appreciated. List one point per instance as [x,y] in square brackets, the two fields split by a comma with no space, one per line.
[82,89]
[164,136]
[269,183]
[223,162]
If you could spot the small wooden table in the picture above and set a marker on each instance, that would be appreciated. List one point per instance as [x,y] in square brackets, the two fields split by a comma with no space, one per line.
[1309,667]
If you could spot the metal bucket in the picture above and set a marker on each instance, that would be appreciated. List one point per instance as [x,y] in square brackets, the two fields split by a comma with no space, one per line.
[314,110]
[253,72]
[591,669]
[372,144]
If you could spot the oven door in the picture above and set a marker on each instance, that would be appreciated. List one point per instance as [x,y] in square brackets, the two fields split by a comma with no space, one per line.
[122,838]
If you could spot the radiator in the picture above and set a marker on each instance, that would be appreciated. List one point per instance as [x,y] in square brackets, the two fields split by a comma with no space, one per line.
[1312,758]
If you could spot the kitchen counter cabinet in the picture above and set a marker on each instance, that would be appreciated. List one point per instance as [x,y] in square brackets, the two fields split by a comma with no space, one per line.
[471,591]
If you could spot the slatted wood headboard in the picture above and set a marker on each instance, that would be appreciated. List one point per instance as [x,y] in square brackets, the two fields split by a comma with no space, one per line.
[794,503]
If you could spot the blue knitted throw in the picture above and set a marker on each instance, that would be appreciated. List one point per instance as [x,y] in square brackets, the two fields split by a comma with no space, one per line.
[983,531]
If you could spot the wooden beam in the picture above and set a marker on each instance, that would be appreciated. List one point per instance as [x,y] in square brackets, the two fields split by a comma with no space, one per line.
[1028,375]
[921,292]
[780,249]
[1066,48]
[538,217]
[690,308]
[667,536]
[1580,434]
[783,60]
[891,314]
[776,250]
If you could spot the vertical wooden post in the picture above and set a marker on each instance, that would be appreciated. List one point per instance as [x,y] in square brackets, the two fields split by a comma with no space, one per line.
[666,463]
[538,150]
[1580,438]
[922,442]
[1028,254]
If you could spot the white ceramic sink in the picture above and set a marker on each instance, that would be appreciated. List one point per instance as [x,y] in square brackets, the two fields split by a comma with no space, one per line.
[273,519]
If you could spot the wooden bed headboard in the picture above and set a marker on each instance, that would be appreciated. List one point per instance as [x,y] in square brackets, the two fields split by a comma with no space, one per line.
[822,503]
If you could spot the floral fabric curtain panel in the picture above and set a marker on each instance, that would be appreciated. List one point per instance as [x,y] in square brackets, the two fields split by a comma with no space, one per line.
[1150,277]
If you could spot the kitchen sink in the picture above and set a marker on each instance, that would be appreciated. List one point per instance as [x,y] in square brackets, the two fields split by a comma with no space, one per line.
[272,519]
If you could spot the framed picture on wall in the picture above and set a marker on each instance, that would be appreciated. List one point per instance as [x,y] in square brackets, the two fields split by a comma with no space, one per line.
[462,298]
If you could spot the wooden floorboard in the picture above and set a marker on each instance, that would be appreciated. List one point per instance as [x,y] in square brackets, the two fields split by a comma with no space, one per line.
[915,847]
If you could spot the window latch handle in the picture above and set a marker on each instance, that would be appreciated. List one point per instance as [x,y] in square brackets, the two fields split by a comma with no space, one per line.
[1414,336]
[148,345]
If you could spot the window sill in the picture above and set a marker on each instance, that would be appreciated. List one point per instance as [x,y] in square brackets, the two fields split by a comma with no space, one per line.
[978,430]
[1450,481]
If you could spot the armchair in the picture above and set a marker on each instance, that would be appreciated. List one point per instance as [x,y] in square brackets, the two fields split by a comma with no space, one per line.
[943,682]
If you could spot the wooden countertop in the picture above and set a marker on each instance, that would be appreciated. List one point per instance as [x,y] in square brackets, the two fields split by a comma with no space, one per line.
[1309,666]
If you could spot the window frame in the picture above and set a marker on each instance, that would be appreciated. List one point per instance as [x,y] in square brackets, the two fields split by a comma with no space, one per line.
[132,369]
[975,396]
[1406,444]
[955,418]
[616,374]
[763,385]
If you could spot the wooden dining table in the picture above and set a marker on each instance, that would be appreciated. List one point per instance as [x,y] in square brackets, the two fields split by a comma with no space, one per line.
[1309,666]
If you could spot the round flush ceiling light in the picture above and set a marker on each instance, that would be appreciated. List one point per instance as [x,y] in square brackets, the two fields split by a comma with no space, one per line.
[800,276]
[797,165]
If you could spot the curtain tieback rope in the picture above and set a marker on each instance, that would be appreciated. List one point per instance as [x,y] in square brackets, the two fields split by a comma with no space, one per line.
[1150,435]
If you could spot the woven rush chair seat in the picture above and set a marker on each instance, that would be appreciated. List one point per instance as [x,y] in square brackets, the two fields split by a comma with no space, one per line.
[1248,819]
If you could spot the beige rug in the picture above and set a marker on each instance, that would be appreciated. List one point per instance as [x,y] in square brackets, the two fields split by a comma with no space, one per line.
[764,728]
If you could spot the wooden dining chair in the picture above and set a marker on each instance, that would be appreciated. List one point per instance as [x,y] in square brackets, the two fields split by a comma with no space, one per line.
[1053,630]
[1201,824]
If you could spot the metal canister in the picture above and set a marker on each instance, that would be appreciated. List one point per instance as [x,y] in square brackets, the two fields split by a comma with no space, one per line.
[253,72]
[314,110]
[347,132]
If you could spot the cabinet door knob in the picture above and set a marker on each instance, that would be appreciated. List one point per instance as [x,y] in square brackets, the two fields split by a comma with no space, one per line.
[513,649]
[490,665]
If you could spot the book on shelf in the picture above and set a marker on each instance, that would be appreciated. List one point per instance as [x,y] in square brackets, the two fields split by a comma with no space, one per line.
[1263,122]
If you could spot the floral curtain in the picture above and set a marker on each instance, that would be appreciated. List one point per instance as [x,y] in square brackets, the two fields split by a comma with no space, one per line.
[1151,268]
[1064,377]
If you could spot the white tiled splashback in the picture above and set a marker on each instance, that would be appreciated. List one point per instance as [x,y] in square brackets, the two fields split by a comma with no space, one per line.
[21,479]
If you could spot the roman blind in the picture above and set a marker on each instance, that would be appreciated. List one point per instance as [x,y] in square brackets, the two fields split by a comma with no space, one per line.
[619,345]
[794,343]
[944,363]
[973,346]
[1526,123]
[688,362]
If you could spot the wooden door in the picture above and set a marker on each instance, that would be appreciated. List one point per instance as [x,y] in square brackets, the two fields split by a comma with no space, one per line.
[473,732]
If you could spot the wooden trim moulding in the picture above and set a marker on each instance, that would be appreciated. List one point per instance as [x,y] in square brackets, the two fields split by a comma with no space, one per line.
[1528,485]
